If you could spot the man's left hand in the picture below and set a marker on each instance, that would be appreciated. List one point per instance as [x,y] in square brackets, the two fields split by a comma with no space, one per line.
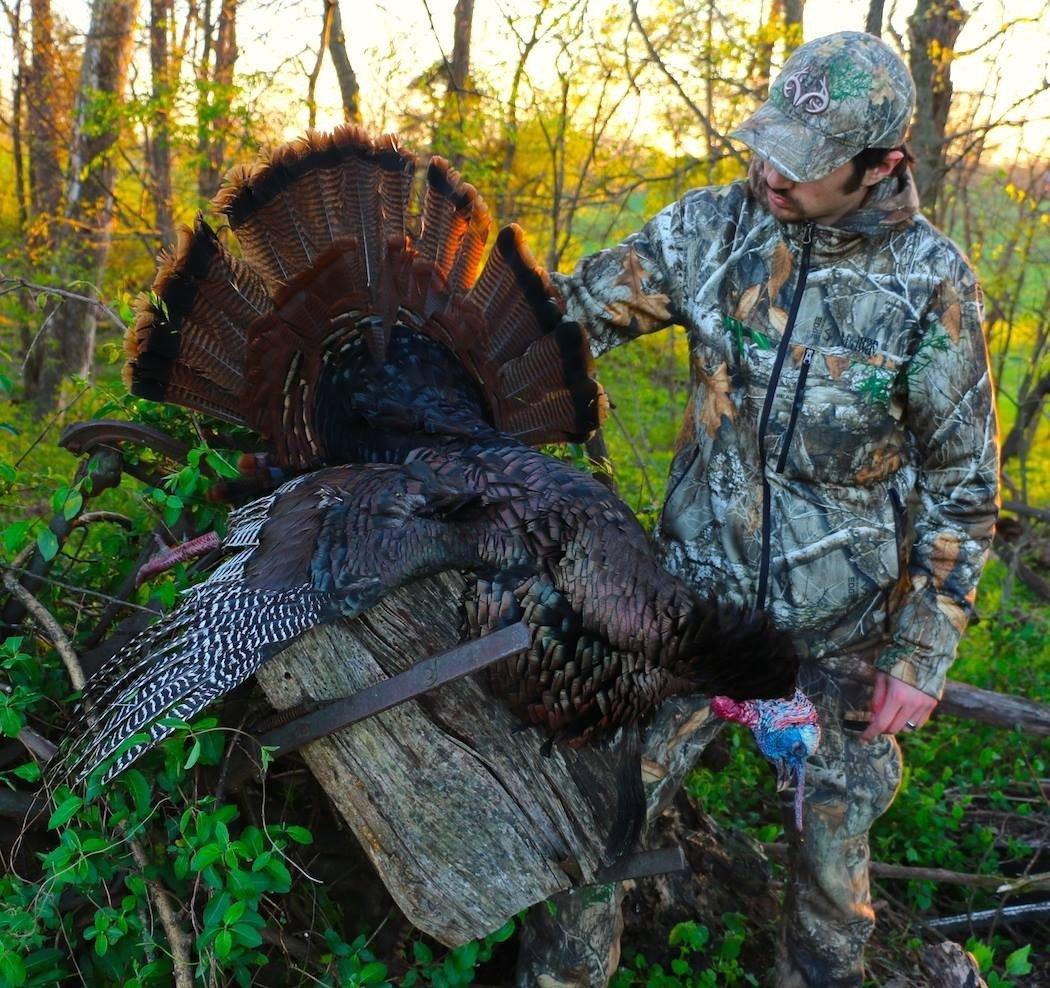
[897,707]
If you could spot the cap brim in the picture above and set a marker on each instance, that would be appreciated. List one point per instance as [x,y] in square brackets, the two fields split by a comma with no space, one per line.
[798,152]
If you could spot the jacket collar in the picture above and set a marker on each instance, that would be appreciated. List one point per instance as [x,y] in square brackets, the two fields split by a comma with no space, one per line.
[885,210]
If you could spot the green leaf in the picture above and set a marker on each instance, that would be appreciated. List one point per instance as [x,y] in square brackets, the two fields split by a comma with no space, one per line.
[300,835]
[14,535]
[30,772]
[247,934]
[139,789]
[12,970]
[421,952]
[1017,963]
[195,753]
[223,943]
[47,543]
[206,857]
[65,812]
[215,908]
[372,974]
[73,504]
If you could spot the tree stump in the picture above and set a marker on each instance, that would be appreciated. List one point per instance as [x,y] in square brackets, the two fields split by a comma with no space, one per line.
[948,965]
[466,821]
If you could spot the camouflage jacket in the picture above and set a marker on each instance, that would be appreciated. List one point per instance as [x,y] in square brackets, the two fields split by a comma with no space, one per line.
[838,375]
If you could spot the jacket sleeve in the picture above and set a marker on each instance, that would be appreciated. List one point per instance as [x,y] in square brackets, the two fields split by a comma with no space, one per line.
[626,291]
[952,420]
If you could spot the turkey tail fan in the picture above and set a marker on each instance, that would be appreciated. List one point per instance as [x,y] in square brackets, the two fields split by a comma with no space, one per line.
[312,194]
[536,367]
[182,664]
[187,345]
[330,274]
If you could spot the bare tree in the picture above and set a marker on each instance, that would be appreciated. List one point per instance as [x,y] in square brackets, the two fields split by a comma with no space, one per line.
[876,15]
[164,73]
[82,241]
[344,71]
[215,83]
[933,30]
[45,172]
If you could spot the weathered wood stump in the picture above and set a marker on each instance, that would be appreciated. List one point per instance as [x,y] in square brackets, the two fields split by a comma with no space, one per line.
[465,819]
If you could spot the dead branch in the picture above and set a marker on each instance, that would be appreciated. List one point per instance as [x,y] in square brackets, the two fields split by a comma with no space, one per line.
[90,517]
[948,965]
[941,876]
[21,283]
[1029,577]
[50,627]
[971,702]
[1020,508]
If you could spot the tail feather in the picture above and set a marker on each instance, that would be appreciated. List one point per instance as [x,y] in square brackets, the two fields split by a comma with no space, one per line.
[188,342]
[449,207]
[399,169]
[212,643]
[512,288]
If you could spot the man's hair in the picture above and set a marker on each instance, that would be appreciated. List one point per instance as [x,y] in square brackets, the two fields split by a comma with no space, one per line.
[870,157]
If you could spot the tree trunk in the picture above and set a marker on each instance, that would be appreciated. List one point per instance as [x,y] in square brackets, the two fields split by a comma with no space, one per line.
[793,11]
[458,99]
[67,345]
[459,69]
[463,816]
[163,94]
[344,71]
[216,72]
[876,15]
[45,174]
[932,32]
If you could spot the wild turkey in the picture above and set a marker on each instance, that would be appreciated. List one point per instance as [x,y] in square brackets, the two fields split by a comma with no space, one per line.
[412,387]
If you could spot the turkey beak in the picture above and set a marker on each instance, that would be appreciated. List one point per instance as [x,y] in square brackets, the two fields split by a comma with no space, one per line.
[786,775]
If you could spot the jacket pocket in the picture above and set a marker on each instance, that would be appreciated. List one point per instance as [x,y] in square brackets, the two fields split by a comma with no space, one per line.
[835,417]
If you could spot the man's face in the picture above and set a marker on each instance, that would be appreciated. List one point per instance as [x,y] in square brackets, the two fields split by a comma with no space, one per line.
[823,201]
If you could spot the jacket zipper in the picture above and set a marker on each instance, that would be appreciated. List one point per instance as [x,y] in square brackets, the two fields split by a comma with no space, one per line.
[796,407]
[767,405]
[900,530]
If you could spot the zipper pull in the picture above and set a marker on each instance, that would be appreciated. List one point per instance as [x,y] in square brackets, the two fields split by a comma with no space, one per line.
[807,234]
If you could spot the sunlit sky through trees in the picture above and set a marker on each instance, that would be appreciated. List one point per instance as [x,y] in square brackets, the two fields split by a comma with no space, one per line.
[391,43]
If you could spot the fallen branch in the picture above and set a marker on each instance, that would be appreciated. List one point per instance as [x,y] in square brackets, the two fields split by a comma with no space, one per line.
[942,876]
[971,702]
[90,517]
[1029,577]
[1032,911]
[1020,508]
[50,627]
[948,965]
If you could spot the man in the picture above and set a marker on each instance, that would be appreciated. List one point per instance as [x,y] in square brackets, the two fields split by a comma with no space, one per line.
[839,374]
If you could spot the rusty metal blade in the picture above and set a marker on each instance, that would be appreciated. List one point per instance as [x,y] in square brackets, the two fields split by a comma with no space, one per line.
[643,864]
[425,675]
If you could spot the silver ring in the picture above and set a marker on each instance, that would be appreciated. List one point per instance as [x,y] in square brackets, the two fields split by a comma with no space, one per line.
[911,725]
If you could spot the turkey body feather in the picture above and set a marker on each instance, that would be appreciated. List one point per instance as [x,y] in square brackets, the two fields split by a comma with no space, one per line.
[414,389]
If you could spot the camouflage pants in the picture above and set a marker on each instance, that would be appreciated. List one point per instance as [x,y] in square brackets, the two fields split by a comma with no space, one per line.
[827,913]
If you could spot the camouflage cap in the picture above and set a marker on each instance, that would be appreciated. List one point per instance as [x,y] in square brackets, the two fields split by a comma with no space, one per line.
[835,97]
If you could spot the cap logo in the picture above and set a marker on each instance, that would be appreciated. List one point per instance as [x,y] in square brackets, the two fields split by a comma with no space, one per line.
[808,92]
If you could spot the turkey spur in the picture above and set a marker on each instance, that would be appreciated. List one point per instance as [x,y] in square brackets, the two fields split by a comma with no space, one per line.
[403,392]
